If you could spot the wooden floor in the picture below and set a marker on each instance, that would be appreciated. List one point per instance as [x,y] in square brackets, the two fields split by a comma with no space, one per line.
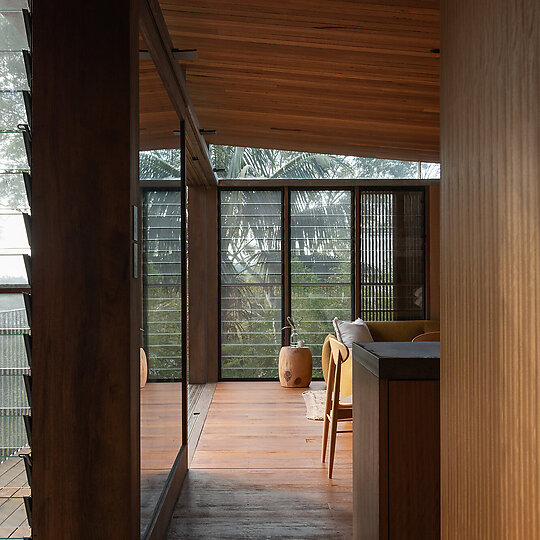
[13,487]
[256,472]
[161,438]
[161,435]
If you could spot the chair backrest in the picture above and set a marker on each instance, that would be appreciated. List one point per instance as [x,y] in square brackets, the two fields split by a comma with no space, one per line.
[339,352]
[143,368]
[428,336]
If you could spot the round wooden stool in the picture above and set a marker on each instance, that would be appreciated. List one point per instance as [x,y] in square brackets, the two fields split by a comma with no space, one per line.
[295,367]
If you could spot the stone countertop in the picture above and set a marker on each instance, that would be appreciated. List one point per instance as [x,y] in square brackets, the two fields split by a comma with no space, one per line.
[400,360]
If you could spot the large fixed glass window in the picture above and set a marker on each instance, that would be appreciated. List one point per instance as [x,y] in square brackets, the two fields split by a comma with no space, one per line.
[264,163]
[392,260]
[251,283]
[162,295]
[321,254]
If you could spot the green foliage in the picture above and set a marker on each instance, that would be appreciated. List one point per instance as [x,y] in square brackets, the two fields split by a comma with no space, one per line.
[240,162]
[159,164]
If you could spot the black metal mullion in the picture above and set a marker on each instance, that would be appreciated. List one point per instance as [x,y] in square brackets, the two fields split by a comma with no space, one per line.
[183,280]
[286,305]
[352,217]
[219,281]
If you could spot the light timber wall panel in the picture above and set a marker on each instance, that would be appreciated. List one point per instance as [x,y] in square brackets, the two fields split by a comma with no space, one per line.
[490,306]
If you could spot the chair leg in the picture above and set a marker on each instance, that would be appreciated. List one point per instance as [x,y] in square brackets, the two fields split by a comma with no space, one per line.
[324,438]
[333,430]
[329,385]
[334,417]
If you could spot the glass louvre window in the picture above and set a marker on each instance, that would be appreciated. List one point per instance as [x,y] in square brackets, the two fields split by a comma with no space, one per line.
[391,255]
[251,283]
[321,264]
[12,110]
[15,372]
[162,294]
[13,35]
[13,365]
[13,245]
[12,71]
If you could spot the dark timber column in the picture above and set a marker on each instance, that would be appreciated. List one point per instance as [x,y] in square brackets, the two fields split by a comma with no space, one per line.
[85,298]
[490,269]
[203,301]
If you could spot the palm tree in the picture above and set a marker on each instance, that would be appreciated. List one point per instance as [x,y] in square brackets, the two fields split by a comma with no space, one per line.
[159,164]
[240,162]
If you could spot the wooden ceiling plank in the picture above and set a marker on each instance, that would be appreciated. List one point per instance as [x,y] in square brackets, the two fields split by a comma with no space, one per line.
[157,39]
[342,77]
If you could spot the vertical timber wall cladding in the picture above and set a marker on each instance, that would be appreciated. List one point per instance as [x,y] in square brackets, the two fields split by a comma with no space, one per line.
[490,313]
[86,311]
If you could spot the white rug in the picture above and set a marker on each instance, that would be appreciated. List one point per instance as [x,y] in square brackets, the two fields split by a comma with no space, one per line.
[315,401]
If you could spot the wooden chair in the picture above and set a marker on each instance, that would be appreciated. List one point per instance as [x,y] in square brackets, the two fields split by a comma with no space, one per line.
[428,336]
[334,411]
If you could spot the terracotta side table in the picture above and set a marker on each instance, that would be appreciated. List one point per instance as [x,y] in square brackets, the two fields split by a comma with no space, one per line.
[295,367]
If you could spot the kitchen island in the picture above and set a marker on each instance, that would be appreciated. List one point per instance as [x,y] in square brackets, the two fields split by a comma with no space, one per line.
[396,441]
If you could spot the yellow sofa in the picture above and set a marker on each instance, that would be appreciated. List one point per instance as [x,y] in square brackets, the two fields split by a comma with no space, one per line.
[380,331]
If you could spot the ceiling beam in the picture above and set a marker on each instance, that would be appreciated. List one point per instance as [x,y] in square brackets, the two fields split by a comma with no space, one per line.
[156,36]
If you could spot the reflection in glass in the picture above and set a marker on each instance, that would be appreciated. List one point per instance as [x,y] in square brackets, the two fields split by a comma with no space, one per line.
[13,4]
[250,283]
[321,264]
[12,31]
[12,71]
[13,238]
[13,155]
[13,192]
[13,271]
[161,396]
[12,110]
[162,284]
[13,364]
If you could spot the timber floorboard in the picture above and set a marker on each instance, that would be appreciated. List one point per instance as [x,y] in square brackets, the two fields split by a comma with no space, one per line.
[161,435]
[256,472]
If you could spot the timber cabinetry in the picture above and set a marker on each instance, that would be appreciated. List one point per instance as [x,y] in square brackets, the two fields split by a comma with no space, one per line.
[396,441]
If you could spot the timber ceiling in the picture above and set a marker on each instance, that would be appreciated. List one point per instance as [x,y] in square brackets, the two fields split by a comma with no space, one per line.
[341,77]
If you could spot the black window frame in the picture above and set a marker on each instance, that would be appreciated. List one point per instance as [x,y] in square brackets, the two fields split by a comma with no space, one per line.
[286,253]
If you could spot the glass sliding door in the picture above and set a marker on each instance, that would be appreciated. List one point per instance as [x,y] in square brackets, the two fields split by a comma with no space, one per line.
[163,396]
[162,295]
[321,254]
[251,283]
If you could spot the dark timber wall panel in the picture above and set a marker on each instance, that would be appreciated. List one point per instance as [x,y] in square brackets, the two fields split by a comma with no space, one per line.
[203,288]
[85,301]
[490,312]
